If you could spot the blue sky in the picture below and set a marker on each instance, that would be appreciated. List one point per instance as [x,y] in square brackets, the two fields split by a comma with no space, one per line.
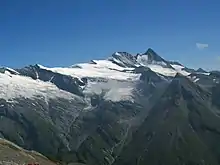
[61,33]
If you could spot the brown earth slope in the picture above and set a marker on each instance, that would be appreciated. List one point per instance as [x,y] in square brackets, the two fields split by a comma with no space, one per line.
[11,154]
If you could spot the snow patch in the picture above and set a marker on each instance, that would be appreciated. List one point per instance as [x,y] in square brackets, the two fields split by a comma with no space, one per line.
[194,78]
[15,86]
[37,75]
[197,79]
[180,70]
[156,66]
[117,61]
[177,67]
[12,70]
[103,69]
[118,54]
[107,64]
[112,90]
[144,60]
[204,73]
[162,70]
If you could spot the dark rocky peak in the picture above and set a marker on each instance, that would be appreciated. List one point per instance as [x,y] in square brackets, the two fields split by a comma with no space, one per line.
[188,88]
[201,70]
[147,75]
[91,62]
[216,74]
[2,70]
[30,71]
[184,81]
[174,88]
[124,54]
[153,56]
[216,95]
[123,59]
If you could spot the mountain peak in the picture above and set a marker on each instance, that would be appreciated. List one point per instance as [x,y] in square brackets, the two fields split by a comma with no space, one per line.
[150,50]
[153,56]
[201,70]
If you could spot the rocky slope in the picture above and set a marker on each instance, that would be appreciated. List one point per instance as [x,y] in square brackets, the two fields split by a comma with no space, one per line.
[11,154]
[127,109]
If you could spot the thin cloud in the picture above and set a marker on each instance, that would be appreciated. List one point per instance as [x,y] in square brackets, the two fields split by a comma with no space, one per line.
[201,46]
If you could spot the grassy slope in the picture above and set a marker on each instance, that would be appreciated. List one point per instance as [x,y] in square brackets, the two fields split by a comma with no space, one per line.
[11,153]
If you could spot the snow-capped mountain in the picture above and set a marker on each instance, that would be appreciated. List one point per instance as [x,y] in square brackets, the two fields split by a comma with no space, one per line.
[121,66]
[98,112]
[115,74]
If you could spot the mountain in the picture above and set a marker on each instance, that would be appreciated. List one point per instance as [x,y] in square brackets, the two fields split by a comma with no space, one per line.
[182,128]
[126,109]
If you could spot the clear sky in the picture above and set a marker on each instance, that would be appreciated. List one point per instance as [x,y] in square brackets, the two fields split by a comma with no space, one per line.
[64,32]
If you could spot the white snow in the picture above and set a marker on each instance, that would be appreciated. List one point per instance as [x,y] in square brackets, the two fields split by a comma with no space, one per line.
[118,61]
[101,64]
[7,73]
[162,70]
[177,67]
[112,90]
[197,79]
[118,54]
[215,80]
[103,69]
[180,70]
[12,70]
[161,67]
[118,94]
[124,60]
[156,66]
[41,66]
[193,78]
[37,74]
[144,60]
[207,74]
[119,82]
[15,86]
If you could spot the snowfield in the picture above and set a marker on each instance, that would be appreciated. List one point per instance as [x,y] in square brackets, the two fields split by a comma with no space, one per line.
[110,76]
[180,70]
[15,86]
[113,89]
[102,69]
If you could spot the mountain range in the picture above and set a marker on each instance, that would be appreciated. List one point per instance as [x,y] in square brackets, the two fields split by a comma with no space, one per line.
[125,110]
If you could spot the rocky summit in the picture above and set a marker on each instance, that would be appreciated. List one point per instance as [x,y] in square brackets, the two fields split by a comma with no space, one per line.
[125,110]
